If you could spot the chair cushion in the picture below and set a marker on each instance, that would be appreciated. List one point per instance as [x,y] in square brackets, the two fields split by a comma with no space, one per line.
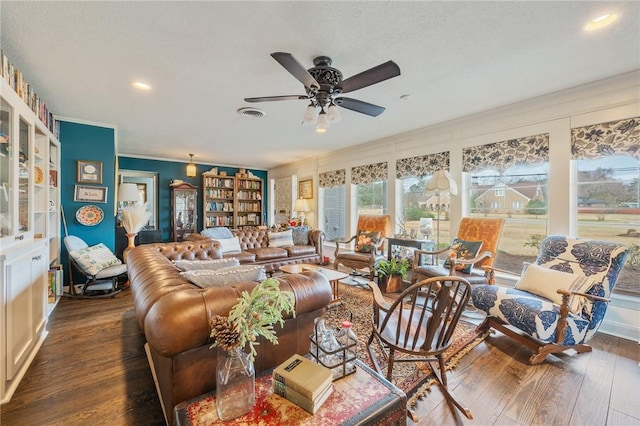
[281,239]
[94,259]
[545,282]
[112,271]
[475,276]
[225,276]
[532,314]
[464,250]
[229,245]
[213,264]
[367,240]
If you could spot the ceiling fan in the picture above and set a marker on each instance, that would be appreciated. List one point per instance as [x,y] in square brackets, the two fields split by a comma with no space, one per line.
[322,83]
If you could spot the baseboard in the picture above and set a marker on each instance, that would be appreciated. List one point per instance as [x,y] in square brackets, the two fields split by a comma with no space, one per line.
[23,370]
[155,380]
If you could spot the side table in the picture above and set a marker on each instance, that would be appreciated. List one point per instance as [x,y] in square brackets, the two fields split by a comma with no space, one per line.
[333,276]
[363,398]
[406,242]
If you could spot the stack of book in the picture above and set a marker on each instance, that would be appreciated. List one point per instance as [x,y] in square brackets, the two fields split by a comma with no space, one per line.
[303,382]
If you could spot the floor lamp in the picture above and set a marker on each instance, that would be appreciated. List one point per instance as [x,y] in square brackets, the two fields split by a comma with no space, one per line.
[441,181]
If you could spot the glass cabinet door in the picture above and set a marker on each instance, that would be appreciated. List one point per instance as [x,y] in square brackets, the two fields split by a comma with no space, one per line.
[184,211]
[24,177]
[6,170]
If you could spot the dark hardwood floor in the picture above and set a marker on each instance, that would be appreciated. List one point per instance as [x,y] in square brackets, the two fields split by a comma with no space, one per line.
[92,370]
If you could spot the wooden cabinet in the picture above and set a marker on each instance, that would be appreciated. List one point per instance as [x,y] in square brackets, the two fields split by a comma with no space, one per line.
[184,216]
[234,202]
[29,230]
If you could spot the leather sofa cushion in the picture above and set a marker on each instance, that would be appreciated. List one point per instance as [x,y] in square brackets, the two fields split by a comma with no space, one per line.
[295,251]
[269,253]
[243,257]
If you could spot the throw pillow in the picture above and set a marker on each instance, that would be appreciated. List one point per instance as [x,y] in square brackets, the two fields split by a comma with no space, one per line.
[545,282]
[229,245]
[226,276]
[367,240]
[281,239]
[94,259]
[300,235]
[464,250]
[213,264]
[217,233]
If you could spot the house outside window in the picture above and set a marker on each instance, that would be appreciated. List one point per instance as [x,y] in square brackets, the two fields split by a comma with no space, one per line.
[505,174]
[608,190]
[371,188]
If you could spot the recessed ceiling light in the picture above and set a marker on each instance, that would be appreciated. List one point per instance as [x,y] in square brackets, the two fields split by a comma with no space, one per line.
[141,85]
[601,21]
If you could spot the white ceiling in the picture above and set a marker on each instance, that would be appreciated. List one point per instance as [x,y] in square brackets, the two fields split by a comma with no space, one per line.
[204,58]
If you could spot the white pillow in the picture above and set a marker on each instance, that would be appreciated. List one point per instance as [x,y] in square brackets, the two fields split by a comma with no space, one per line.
[545,282]
[94,259]
[229,245]
[211,264]
[226,276]
[281,239]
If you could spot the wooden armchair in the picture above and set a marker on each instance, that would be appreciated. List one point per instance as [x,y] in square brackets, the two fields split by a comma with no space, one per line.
[368,246]
[421,329]
[480,267]
[560,301]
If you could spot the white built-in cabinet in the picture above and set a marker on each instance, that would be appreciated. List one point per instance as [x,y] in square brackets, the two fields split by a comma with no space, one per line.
[29,235]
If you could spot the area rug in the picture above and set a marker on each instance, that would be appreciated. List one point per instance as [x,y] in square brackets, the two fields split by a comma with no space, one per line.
[414,378]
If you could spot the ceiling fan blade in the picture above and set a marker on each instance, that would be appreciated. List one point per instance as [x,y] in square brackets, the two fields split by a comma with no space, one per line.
[371,76]
[276,98]
[296,69]
[359,106]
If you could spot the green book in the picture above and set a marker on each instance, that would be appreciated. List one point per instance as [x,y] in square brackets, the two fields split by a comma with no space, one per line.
[304,376]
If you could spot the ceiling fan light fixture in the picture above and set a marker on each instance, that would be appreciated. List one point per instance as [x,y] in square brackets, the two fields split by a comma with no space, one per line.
[333,115]
[310,115]
[323,122]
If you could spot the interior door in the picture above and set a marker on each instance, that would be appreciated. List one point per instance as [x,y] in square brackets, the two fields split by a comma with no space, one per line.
[282,190]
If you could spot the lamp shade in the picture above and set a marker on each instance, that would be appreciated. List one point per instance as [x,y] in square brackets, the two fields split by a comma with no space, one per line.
[128,192]
[301,205]
[191,167]
[441,181]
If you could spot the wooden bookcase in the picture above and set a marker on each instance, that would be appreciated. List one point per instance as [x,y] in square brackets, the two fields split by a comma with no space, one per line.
[232,201]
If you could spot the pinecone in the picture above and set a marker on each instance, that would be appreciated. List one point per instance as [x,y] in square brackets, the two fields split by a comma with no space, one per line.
[223,333]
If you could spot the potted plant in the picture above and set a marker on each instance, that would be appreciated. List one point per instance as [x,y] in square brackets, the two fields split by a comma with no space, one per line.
[391,273]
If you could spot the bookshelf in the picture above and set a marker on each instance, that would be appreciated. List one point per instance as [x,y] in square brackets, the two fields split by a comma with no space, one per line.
[249,195]
[232,201]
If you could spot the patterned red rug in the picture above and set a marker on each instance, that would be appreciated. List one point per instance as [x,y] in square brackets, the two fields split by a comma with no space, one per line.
[414,378]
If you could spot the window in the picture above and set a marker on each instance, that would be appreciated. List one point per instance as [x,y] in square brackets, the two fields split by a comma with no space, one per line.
[503,175]
[608,191]
[332,187]
[371,188]
[419,208]
[516,205]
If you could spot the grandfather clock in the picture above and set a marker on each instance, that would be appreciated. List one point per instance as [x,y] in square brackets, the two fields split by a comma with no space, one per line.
[184,205]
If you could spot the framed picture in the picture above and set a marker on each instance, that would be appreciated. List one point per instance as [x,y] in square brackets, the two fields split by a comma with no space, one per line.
[305,188]
[93,194]
[89,172]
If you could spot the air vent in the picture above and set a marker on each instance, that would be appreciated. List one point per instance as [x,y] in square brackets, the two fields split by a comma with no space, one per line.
[251,112]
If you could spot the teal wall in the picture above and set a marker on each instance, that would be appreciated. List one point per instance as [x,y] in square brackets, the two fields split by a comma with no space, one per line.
[85,142]
[168,171]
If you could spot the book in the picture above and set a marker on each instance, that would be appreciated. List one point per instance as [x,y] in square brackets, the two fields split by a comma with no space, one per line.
[304,376]
[312,406]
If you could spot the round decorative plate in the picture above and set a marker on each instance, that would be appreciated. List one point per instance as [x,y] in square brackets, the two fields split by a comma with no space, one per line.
[39,175]
[89,215]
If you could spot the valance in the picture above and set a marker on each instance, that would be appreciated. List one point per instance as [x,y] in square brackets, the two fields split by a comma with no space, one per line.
[621,137]
[502,155]
[332,178]
[369,173]
[422,165]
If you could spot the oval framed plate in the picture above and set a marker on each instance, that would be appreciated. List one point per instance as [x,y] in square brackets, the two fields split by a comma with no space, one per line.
[89,215]
[39,175]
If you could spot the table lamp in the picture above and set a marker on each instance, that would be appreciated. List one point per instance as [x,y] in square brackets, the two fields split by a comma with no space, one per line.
[301,206]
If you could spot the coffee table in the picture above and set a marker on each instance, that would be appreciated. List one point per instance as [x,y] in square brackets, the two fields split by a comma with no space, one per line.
[333,275]
[363,398]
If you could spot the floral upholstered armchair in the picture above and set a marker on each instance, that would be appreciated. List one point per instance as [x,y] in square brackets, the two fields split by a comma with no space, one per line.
[368,247]
[560,300]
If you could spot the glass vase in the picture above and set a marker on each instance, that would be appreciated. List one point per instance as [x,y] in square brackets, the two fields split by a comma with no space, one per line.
[235,384]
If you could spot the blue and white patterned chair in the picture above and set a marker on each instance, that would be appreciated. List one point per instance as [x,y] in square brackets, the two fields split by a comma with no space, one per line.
[548,326]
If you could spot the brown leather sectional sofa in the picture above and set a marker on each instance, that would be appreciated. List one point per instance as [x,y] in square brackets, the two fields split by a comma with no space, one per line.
[174,315]
[254,244]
